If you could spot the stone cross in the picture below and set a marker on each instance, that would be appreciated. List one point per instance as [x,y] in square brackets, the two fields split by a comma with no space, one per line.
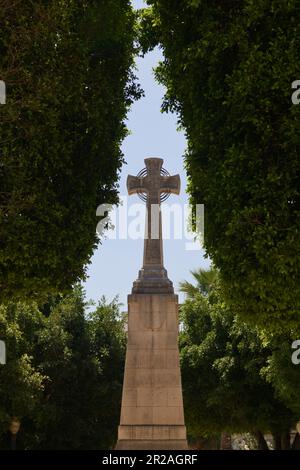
[152,413]
[153,185]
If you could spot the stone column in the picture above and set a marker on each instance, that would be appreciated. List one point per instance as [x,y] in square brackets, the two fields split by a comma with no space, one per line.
[152,409]
[152,414]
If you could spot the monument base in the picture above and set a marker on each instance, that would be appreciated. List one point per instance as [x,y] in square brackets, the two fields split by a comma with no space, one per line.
[152,415]
[153,280]
[152,445]
[152,438]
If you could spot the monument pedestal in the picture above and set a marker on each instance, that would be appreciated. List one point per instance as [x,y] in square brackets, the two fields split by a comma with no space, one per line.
[152,415]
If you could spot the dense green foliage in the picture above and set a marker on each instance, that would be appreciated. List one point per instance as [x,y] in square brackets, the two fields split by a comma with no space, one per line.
[21,383]
[232,381]
[68,72]
[228,70]
[63,376]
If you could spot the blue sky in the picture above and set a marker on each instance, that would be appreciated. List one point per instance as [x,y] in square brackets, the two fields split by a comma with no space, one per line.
[116,263]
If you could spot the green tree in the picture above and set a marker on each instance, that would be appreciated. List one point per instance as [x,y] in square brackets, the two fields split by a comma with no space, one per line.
[228,70]
[281,372]
[205,282]
[21,382]
[64,372]
[107,328]
[224,366]
[68,71]
[82,355]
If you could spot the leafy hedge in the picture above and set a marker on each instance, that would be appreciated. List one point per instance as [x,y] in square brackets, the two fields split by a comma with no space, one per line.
[68,70]
[228,70]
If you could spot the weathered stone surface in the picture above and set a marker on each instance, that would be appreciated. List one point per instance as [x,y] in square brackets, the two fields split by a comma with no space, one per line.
[158,444]
[152,407]
[152,184]
[152,432]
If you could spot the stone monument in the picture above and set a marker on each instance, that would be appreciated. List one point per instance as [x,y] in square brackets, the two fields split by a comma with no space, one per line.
[152,408]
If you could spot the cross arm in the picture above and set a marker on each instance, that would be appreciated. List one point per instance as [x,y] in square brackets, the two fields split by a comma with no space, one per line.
[171,184]
[135,184]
